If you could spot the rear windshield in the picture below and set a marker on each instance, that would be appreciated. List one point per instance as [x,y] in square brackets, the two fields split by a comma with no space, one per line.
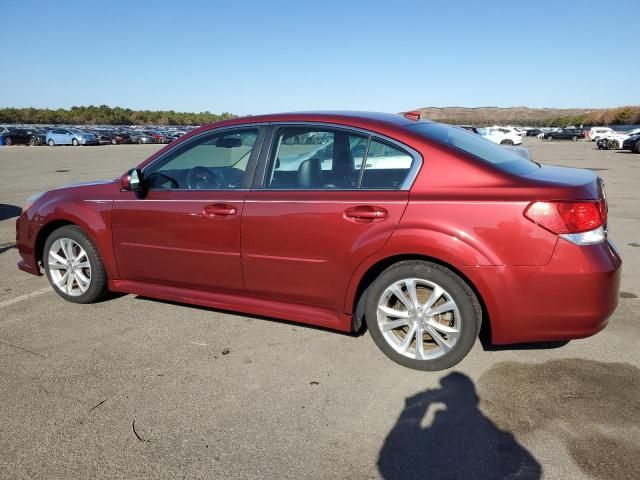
[474,144]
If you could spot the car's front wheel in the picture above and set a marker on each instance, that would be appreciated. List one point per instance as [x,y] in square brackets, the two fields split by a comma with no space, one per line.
[75,142]
[51,142]
[422,315]
[73,265]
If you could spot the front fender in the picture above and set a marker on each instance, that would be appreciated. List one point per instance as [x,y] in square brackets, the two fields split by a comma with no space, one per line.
[93,216]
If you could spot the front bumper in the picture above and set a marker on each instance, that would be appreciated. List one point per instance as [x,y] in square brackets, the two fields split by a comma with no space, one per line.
[25,243]
[571,297]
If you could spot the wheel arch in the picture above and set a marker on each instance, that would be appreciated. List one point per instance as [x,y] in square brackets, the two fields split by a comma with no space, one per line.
[44,233]
[357,302]
[91,223]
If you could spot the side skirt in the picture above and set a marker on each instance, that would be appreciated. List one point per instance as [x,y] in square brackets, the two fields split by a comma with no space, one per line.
[320,317]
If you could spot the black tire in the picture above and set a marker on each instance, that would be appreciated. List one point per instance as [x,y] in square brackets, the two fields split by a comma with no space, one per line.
[98,285]
[464,297]
[549,138]
[75,142]
[140,142]
[8,141]
[506,142]
[637,147]
[32,142]
[612,145]
[51,142]
[574,138]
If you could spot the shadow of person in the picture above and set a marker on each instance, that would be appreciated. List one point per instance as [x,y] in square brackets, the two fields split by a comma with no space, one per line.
[459,443]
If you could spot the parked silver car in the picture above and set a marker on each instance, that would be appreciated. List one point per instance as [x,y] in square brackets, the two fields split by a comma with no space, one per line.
[70,136]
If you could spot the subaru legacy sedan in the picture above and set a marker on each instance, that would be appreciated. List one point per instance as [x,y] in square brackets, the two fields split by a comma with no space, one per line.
[420,232]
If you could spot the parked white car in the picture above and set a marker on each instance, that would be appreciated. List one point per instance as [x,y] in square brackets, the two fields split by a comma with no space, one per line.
[615,140]
[502,135]
[599,132]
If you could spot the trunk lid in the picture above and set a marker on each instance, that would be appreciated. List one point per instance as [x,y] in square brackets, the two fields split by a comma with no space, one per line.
[564,183]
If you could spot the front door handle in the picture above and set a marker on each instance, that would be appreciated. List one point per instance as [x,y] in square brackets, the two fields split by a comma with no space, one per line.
[219,210]
[365,212]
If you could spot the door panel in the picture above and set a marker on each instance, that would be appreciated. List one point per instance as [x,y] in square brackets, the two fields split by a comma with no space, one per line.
[184,238]
[186,231]
[303,246]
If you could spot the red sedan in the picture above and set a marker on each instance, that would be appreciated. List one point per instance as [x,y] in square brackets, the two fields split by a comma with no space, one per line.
[421,231]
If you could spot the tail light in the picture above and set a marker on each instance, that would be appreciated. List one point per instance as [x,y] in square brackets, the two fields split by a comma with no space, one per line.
[580,222]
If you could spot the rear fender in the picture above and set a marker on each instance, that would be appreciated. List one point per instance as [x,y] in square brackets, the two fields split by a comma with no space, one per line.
[442,246]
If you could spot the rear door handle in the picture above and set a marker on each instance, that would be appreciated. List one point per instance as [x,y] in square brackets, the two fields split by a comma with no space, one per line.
[219,210]
[365,212]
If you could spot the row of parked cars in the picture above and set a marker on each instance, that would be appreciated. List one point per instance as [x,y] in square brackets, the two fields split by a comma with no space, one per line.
[612,140]
[75,136]
[606,138]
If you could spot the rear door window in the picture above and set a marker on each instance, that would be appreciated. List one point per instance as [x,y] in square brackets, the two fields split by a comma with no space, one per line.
[315,158]
[320,158]
[386,167]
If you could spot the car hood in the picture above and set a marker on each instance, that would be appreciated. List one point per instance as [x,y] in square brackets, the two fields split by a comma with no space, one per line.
[98,190]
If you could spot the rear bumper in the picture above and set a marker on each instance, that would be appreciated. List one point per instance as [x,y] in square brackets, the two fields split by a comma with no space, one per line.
[571,297]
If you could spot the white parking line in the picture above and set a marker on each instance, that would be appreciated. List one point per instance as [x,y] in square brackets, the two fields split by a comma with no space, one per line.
[26,296]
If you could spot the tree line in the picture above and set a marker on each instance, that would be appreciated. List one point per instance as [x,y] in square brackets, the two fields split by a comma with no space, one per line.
[105,115]
[629,115]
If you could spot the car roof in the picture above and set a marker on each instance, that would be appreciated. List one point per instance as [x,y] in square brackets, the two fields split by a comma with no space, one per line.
[339,117]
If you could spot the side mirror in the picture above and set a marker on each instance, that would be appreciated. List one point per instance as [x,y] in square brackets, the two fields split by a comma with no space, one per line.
[132,182]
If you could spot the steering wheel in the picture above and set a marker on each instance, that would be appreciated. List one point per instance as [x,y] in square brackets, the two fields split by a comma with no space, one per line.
[201,177]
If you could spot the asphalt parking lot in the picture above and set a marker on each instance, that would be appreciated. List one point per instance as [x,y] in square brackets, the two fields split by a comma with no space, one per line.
[138,388]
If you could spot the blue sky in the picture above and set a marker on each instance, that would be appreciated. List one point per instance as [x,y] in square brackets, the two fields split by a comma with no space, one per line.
[250,57]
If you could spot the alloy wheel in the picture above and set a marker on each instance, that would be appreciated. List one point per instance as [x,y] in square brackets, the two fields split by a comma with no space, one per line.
[418,319]
[69,267]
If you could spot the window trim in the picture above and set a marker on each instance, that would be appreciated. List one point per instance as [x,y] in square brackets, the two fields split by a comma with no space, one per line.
[252,162]
[260,176]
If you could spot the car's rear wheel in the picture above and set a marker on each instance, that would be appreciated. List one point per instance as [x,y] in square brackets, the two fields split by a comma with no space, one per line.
[612,145]
[506,142]
[75,142]
[32,142]
[574,138]
[8,141]
[51,142]
[638,147]
[422,315]
[549,138]
[140,141]
[113,141]
[73,265]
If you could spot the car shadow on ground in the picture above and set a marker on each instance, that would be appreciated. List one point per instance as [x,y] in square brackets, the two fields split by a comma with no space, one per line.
[7,246]
[9,211]
[460,442]
[590,409]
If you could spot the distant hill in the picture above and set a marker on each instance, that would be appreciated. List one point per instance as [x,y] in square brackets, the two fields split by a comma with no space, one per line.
[482,116]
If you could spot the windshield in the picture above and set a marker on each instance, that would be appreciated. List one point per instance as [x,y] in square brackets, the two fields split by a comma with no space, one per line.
[473,144]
